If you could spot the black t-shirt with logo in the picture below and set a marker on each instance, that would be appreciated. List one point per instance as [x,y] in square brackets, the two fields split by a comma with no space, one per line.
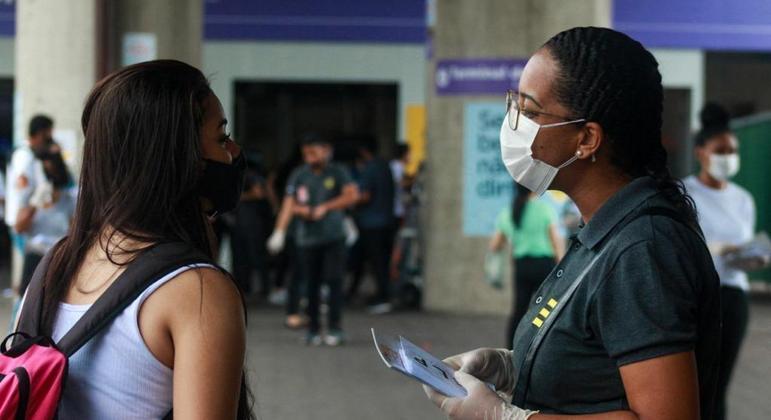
[653,292]
[311,189]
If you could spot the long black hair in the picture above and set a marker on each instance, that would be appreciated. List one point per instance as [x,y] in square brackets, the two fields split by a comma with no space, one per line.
[609,78]
[519,202]
[141,168]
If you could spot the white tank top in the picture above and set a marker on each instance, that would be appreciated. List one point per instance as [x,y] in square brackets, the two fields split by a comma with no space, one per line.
[115,376]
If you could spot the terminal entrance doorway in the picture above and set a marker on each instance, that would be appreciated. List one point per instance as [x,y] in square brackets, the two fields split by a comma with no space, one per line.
[271,117]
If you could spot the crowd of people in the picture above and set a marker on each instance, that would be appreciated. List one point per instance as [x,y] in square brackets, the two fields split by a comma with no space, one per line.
[309,232]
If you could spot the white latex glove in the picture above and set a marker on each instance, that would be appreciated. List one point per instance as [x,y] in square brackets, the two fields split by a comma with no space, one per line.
[42,197]
[351,232]
[488,365]
[481,403]
[276,241]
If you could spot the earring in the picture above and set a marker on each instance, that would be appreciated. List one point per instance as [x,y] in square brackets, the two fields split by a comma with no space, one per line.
[578,153]
[594,158]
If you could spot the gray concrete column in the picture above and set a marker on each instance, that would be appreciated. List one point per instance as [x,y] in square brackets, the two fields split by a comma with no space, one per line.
[176,24]
[55,63]
[55,67]
[476,29]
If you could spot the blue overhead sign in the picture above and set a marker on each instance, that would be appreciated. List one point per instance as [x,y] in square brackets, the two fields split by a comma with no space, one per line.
[7,18]
[698,24]
[392,21]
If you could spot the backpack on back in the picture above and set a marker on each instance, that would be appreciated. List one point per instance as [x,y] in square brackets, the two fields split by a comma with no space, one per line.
[33,369]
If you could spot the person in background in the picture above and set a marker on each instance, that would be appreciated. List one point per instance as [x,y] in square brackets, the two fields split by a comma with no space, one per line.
[252,223]
[288,276]
[530,226]
[41,198]
[317,195]
[375,220]
[727,218]
[402,181]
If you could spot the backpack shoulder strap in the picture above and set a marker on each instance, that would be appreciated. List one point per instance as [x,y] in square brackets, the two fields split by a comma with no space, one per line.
[32,308]
[148,267]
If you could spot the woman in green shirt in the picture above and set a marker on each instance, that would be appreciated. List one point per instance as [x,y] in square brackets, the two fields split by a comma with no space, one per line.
[529,225]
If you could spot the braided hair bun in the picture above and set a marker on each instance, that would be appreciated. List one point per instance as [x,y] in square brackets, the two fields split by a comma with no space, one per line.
[609,78]
[714,120]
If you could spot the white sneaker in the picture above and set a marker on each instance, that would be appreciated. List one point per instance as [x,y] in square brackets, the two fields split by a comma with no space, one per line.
[334,338]
[380,308]
[277,297]
[314,340]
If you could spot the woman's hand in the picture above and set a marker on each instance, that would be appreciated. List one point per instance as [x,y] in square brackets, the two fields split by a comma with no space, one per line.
[489,365]
[481,403]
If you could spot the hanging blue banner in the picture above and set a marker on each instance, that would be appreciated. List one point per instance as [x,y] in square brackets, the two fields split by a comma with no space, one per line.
[393,21]
[478,76]
[7,18]
[700,24]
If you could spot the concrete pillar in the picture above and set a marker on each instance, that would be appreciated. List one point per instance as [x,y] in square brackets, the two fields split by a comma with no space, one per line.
[63,47]
[176,24]
[478,29]
[55,63]
[55,67]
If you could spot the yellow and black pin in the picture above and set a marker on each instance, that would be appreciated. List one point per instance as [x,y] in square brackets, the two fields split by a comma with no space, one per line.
[544,312]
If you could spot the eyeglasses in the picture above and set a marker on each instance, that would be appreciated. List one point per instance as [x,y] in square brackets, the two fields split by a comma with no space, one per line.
[513,109]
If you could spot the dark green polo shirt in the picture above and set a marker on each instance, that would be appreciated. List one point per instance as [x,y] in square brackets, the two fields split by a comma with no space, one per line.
[653,292]
[312,189]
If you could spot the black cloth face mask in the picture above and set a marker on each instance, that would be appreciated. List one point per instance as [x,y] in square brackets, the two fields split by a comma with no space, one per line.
[222,184]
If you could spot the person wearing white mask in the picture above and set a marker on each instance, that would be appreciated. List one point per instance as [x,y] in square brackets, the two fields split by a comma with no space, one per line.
[727,218]
[625,325]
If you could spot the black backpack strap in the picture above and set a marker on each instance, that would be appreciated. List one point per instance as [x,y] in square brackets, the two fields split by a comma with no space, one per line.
[520,394]
[148,267]
[31,311]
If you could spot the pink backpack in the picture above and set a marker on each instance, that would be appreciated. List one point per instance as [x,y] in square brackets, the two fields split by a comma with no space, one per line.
[33,369]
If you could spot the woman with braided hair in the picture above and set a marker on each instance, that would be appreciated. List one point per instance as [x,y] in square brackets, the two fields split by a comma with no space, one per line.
[625,325]
[727,218]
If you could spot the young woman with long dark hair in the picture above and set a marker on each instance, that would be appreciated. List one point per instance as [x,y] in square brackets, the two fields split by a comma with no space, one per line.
[157,164]
[625,327]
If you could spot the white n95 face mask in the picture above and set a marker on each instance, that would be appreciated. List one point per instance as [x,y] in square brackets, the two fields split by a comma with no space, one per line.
[723,167]
[517,153]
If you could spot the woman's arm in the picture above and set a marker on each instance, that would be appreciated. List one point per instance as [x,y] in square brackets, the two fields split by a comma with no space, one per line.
[207,327]
[497,241]
[663,388]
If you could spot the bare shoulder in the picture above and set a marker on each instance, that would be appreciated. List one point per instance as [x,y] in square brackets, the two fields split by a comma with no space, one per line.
[199,293]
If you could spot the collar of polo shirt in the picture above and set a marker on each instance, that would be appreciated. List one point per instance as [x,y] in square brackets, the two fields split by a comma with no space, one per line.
[615,210]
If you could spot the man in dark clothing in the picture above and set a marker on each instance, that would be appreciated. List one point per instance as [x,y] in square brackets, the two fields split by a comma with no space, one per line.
[252,224]
[317,194]
[375,219]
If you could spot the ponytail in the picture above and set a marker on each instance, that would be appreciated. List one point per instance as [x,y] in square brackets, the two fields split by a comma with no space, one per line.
[518,206]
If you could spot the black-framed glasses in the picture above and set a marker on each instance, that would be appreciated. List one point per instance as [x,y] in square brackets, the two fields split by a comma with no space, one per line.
[512,104]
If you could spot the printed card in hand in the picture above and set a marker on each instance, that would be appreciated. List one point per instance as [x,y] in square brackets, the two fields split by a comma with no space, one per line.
[401,355]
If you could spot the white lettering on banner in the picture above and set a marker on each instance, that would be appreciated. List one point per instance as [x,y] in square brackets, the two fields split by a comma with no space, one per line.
[499,73]
[487,186]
